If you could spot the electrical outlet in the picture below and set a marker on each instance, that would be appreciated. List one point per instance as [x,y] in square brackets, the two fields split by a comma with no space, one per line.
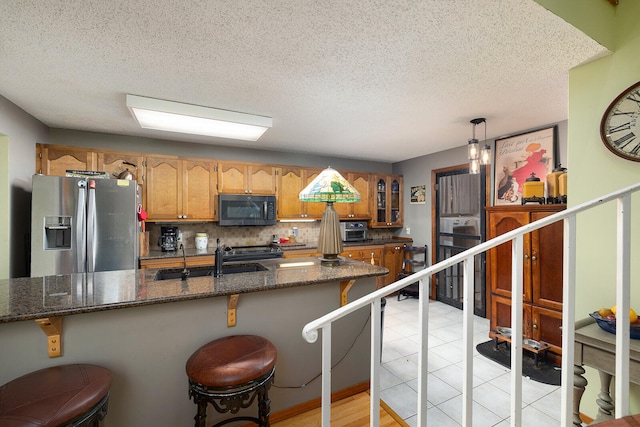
[407,230]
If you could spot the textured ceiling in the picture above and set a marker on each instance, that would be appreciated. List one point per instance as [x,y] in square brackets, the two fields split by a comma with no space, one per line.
[367,79]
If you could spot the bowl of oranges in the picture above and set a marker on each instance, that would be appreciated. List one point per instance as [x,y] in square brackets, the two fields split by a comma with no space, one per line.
[606,318]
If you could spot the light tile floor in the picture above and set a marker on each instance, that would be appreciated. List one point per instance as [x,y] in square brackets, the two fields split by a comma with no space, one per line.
[491,381]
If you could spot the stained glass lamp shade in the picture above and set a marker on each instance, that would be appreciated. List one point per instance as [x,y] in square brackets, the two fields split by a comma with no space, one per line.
[330,187]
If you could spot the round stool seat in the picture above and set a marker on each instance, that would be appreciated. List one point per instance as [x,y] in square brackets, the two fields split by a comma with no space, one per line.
[231,361]
[54,396]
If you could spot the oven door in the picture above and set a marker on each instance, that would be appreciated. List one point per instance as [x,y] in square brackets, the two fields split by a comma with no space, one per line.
[355,235]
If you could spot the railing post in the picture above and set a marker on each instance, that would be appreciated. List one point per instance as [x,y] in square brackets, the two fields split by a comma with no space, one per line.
[376,342]
[468,281]
[423,355]
[568,321]
[517,256]
[623,294]
[326,375]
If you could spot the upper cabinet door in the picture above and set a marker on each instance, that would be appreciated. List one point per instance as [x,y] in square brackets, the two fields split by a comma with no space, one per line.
[246,178]
[199,199]
[262,179]
[313,210]
[164,188]
[361,209]
[291,181]
[232,178]
[56,160]
[181,189]
[115,163]
[386,201]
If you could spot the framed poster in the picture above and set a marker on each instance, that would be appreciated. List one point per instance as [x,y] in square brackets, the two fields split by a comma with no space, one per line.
[517,157]
[419,195]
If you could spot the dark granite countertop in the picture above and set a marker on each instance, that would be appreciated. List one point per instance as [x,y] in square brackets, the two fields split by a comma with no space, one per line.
[33,298]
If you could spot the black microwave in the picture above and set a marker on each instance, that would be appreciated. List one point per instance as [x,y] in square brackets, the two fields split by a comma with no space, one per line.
[246,209]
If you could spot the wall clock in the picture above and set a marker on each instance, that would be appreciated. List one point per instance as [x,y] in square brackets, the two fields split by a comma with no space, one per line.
[620,126]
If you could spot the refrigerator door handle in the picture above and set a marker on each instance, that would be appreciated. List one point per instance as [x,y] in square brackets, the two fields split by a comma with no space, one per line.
[81,244]
[91,227]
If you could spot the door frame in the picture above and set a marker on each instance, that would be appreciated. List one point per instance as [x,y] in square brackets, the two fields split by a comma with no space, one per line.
[434,172]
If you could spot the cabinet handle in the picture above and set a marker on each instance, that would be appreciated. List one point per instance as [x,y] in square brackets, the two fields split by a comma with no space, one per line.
[526,255]
[350,255]
[535,326]
[534,257]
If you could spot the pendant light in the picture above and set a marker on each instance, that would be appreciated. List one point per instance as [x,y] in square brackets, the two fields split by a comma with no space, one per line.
[478,157]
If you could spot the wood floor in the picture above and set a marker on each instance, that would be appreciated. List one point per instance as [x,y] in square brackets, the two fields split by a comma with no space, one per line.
[352,411]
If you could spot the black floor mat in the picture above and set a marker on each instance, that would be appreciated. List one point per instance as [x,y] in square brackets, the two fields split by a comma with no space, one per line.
[545,372]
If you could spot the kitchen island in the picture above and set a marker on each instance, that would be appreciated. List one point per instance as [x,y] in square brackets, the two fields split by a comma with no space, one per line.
[144,330]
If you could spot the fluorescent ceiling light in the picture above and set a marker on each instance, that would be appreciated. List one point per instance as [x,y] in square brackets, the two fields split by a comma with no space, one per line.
[193,119]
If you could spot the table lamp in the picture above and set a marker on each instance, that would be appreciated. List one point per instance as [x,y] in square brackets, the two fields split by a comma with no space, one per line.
[330,187]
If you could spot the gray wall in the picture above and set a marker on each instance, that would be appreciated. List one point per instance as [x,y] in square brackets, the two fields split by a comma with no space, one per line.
[417,171]
[22,132]
[146,348]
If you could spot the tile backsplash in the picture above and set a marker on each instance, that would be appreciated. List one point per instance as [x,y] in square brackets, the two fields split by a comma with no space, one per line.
[247,236]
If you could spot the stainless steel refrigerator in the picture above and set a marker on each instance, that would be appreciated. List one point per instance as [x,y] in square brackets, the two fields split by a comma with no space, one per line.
[83,225]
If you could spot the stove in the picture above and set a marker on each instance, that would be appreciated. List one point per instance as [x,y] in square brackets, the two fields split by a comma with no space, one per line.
[251,253]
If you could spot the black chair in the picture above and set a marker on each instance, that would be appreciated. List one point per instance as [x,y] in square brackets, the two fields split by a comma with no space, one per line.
[415,257]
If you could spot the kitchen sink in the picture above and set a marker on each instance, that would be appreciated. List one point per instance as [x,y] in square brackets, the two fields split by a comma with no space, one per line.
[208,270]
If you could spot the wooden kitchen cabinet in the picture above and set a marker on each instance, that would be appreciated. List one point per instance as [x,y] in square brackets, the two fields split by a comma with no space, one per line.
[542,275]
[301,253]
[364,254]
[291,180]
[180,189]
[246,178]
[177,262]
[386,201]
[393,256]
[362,209]
[115,162]
[55,160]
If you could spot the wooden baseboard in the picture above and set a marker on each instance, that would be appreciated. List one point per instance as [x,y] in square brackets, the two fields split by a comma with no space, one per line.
[393,414]
[585,419]
[316,403]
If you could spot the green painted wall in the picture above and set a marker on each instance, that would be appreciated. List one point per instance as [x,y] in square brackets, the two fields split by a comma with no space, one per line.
[594,170]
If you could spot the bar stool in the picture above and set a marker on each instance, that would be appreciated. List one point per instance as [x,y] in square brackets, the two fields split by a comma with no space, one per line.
[230,373]
[65,395]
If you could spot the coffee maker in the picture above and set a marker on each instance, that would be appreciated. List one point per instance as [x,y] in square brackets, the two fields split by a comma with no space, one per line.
[168,239]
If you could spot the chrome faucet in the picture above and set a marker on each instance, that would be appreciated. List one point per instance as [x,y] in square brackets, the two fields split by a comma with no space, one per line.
[218,259]
[185,272]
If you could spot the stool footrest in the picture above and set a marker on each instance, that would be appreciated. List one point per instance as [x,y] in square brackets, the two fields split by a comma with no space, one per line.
[233,398]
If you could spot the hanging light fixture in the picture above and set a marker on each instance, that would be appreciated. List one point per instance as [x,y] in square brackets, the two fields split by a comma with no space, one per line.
[330,187]
[477,156]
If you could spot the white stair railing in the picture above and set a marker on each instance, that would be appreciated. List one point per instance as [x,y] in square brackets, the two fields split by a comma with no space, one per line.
[623,221]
